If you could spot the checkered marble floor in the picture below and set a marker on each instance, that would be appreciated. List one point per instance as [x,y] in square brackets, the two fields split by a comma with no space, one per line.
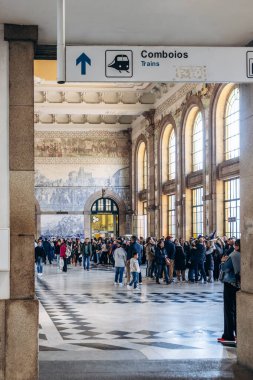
[83,316]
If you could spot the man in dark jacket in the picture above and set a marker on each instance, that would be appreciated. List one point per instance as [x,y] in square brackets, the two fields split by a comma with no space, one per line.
[48,249]
[86,251]
[171,250]
[201,258]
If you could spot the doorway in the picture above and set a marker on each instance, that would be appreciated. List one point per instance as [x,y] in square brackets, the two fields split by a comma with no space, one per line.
[104,218]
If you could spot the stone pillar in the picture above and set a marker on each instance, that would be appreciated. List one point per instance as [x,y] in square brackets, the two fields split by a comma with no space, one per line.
[19,313]
[245,296]
[150,129]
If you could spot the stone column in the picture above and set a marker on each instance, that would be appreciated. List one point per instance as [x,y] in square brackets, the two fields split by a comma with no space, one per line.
[150,129]
[245,296]
[19,313]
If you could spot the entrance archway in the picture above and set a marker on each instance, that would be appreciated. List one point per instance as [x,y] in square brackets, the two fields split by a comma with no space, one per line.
[122,212]
[104,218]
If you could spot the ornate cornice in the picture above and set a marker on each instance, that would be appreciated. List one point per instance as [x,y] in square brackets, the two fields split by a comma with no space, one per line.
[150,116]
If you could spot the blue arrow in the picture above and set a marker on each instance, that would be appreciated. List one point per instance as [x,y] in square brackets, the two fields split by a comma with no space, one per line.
[83,59]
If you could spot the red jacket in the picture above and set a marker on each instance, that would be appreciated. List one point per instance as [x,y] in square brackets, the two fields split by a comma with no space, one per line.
[63,249]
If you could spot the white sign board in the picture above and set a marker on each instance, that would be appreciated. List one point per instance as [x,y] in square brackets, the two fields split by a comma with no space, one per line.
[158,64]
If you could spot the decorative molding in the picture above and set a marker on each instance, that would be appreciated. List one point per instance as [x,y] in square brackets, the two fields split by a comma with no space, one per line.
[169,187]
[194,179]
[150,116]
[143,195]
[228,169]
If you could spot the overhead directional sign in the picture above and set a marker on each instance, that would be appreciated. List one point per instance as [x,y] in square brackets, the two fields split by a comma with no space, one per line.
[83,59]
[159,64]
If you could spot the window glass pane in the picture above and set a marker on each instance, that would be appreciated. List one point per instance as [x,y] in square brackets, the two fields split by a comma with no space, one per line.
[197,144]
[172,155]
[144,210]
[145,170]
[232,126]
[197,212]
[172,215]
[232,207]
[100,205]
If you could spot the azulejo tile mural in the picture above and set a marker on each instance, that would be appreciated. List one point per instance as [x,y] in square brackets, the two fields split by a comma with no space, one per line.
[101,161]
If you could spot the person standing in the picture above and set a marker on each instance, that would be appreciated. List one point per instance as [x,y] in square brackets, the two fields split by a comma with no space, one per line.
[150,256]
[63,255]
[231,269]
[134,247]
[180,261]
[47,247]
[57,253]
[120,257]
[201,258]
[40,258]
[86,251]
[135,270]
[160,259]
[171,250]
[209,259]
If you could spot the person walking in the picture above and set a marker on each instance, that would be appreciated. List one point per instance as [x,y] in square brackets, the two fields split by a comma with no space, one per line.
[120,257]
[231,269]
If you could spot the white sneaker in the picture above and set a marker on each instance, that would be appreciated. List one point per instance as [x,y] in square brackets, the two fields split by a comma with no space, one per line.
[137,289]
[121,284]
[129,287]
[115,283]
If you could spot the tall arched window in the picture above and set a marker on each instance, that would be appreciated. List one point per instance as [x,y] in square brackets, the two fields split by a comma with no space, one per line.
[197,143]
[145,170]
[172,156]
[232,125]
[142,167]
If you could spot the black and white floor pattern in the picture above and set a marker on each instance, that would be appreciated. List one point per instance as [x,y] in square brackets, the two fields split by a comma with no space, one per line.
[87,317]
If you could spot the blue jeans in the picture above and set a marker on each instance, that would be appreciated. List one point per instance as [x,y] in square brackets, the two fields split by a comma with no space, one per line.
[39,264]
[134,279]
[161,268]
[86,259]
[119,274]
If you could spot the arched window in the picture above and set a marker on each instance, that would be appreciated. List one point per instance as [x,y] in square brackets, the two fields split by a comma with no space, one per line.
[172,156]
[145,170]
[142,167]
[197,143]
[232,125]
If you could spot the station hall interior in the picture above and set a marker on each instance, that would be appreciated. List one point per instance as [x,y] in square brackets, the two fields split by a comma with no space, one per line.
[110,159]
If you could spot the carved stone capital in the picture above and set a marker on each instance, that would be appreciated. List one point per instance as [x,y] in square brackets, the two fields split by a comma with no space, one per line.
[150,116]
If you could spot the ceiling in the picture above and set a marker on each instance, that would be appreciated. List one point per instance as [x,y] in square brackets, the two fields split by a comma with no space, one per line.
[138,22]
[82,106]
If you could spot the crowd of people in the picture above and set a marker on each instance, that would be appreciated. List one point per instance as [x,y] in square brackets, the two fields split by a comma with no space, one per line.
[196,260]
[205,259]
